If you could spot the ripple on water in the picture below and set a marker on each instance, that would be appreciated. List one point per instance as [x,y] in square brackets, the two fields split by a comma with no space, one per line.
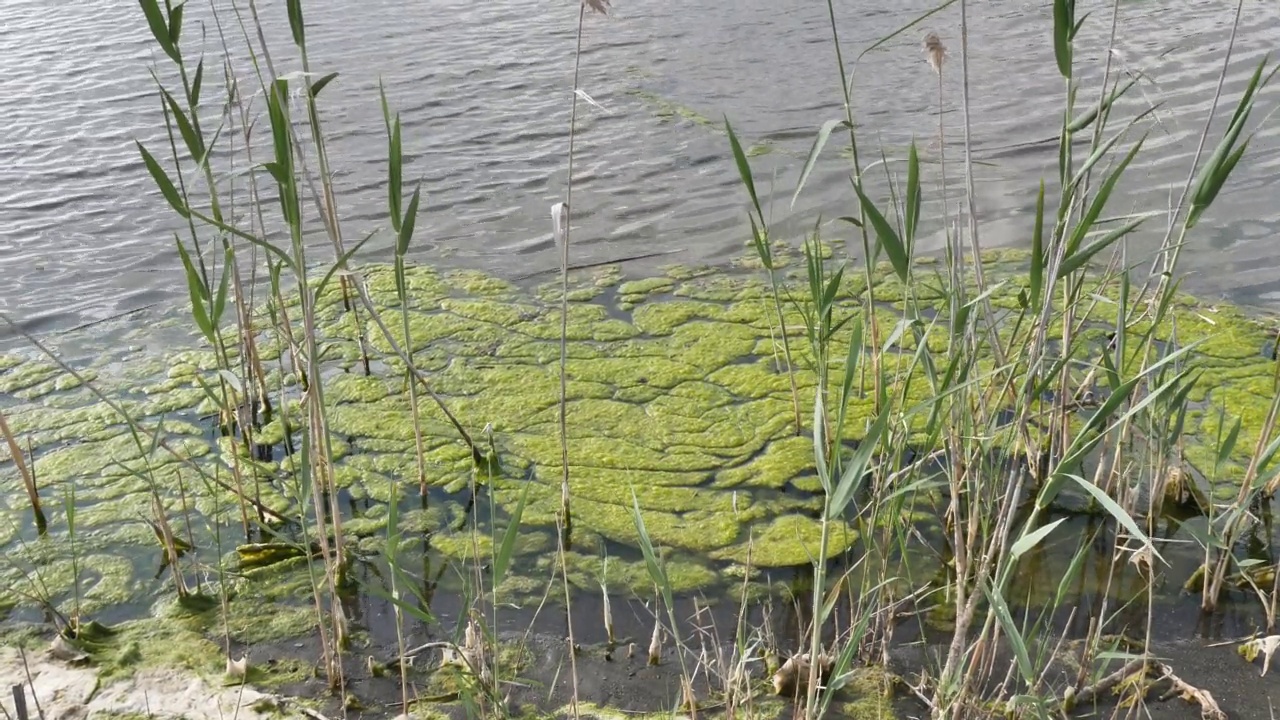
[483,91]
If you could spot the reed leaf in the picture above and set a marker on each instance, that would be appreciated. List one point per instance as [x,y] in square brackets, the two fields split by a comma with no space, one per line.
[824,133]
[912,209]
[657,572]
[341,262]
[899,254]
[855,471]
[175,24]
[197,83]
[506,549]
[407,225]
[1118,513]
[220,299]
[190,137]
[1094,210]
[320,84]
[1016,639]
[1228,444]
[1081,257]
[159,28]
[163,182]
[199,293]
[744,168]
[1038,258]
[1086,118]
[1064,12]
[1029,540]
[296,26]
[1213,175]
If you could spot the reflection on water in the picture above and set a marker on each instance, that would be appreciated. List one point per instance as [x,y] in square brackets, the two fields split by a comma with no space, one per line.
[483,91]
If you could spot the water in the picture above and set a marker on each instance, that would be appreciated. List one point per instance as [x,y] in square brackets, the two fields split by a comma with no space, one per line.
[483,89]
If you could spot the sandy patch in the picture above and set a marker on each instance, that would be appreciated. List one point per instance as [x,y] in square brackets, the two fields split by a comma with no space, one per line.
[66,692]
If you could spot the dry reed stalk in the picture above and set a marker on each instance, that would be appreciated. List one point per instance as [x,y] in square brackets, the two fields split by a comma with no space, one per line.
[28,477]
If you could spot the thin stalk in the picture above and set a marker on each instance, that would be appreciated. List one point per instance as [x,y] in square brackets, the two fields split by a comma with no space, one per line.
[27,475]
[565,518]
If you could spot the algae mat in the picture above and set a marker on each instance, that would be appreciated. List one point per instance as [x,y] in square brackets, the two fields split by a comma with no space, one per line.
[677,393]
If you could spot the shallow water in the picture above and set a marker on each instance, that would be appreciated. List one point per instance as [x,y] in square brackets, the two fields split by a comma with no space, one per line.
[483,90]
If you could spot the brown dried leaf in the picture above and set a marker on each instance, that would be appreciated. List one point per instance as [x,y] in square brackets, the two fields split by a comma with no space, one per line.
[1209,709]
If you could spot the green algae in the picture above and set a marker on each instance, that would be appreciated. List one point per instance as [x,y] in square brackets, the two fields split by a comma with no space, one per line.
[683,401]
[665,109]
[789,540]
[26,375]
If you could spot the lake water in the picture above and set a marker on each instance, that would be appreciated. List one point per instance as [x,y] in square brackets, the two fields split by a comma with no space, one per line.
[484,92]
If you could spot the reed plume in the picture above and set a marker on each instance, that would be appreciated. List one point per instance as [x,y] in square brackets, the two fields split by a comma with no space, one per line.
[935,51]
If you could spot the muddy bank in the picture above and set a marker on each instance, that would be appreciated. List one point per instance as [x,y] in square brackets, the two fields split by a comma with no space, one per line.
[613,682]
[59,689]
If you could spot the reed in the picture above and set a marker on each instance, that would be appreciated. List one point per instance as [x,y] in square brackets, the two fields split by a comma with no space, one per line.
[980,420]
[27,475]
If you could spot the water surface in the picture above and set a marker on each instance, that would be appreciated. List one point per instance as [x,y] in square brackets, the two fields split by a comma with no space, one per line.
[484,92]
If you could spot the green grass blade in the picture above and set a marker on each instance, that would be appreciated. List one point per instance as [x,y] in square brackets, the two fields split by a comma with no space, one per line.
[824,133]
[199,293]
[163,182]
[1038,258]
[220,300]
[1087,118]
[410,219]
[197,83]
[296,25]
[760,241]
[1114,510]
[1098,153]
[913,195]
[1073,572]
[175,23]
[657,573]
[1016,641]
[320,84]
[1091,215]
[820,443]
[889,240]
[1063,27]
[395,177]
[1218,167]
[502,560]
[850,372]
[744,168]
[341,263]
[159,28]
[194,142]
[1228,443]
[1028,541]
[1078,259]
[856,471]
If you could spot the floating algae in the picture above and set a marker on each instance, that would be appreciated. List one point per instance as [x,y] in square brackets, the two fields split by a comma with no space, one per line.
[681,401]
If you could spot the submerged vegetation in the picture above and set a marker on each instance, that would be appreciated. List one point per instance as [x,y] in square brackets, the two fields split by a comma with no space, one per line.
[818,485]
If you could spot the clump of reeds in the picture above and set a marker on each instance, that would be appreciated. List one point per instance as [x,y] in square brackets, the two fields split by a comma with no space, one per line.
[993,512]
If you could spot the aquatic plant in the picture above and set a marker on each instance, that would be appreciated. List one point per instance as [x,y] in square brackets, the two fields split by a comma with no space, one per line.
[900,429]
[1026,378]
